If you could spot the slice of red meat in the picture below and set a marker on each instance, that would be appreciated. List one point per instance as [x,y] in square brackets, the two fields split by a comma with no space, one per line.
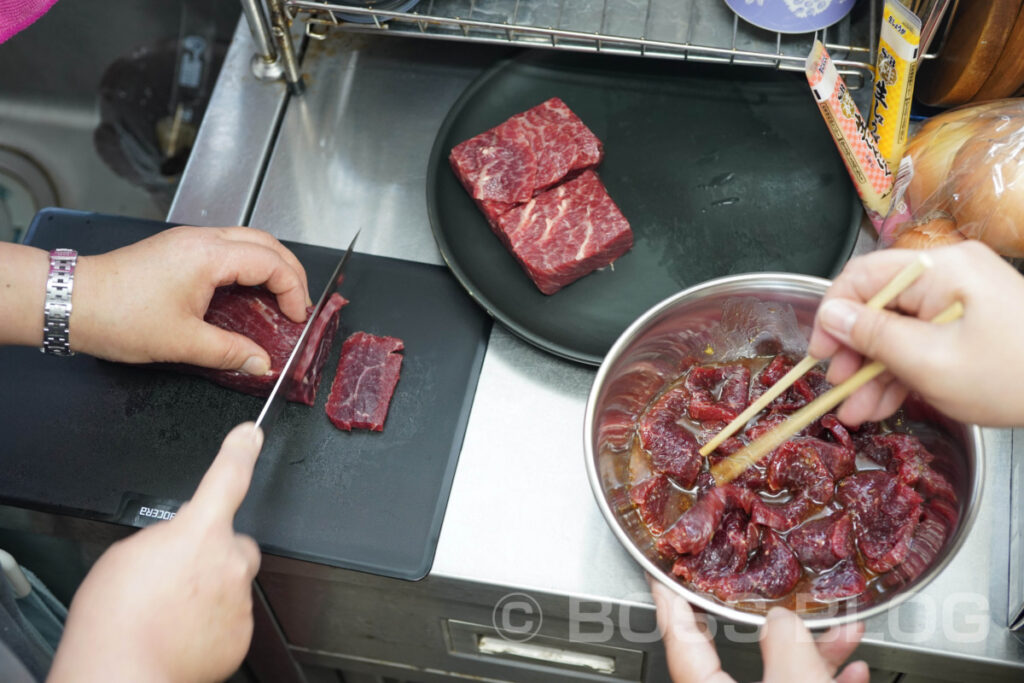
[821,543]
[885,512]
[840,462]
[366,378]
[525,154]
[937,521]
[797,395]
[934,485]
[772,572]
[839,432]
[770,374]
[693,530]
[718,393]
[649,497]
[726,554]
[253,312]
[767,422]
[566,232]
[784,516]
[843,581]
[673,448]
[796,466]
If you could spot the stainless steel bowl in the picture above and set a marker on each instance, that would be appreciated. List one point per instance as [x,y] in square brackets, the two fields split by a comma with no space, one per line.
[648,355]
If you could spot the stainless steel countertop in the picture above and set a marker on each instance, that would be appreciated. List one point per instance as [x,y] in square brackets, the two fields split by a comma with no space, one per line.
[352,153]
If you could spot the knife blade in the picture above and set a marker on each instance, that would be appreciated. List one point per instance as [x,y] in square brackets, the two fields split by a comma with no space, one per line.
[275,401]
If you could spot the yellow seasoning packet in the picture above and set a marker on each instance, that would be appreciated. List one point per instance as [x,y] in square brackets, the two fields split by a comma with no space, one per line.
[867,167]
[895,70]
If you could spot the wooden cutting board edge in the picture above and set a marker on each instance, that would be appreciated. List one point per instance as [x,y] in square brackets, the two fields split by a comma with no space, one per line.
[1007,77]
[975,43]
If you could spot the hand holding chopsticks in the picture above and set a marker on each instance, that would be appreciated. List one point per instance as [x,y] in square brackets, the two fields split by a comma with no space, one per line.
[737,463]
[901,281]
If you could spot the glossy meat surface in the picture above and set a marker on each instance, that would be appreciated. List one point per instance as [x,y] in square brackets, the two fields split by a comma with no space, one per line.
[367,375]
[253,312]
[524,155]
[566,232]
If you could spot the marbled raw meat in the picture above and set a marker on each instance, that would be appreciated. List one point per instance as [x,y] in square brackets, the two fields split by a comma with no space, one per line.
[524,155]
[938,519]
[885,513]
[673,448]
[649,497]
[366,378]
[725,554]
[821,543]
[697,525]
[566,232]
[845,580]
[772,572]
[730,382]
[253,312]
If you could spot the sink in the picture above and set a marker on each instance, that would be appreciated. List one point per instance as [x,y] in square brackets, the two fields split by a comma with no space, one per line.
[49,103]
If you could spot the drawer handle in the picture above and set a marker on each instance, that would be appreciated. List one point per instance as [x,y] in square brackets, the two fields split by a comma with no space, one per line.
[490,645]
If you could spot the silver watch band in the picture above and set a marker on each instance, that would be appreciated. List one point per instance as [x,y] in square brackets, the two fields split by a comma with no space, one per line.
[57,307]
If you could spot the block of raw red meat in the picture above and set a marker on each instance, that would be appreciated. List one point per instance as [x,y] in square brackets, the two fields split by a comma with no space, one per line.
[253,312]
[528,153]
[566,233]
[366,378]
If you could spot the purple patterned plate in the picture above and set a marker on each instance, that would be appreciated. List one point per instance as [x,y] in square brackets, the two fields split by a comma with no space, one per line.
[791,16]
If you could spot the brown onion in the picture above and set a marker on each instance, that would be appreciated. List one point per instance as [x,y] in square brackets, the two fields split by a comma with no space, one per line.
[969,163]
[936,232]
[935,145]
[987,193]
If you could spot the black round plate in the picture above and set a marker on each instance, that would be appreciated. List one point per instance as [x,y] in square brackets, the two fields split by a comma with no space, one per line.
[719,170]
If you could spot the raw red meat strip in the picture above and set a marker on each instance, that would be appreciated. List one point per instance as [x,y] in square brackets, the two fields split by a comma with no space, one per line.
[566,232]
[937,520]
[772,572]
[253,311]
[730,382]
[526,154]
[838,461]
[821,543]
[796,467]
[725,554]
[367,375]
[885,512]
[796,396]
[783,516]
[843,581]
[673,448]
[697,525]
[650,497]
[839,433]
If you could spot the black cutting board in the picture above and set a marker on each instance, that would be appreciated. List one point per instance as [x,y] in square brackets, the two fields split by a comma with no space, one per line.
[101,440]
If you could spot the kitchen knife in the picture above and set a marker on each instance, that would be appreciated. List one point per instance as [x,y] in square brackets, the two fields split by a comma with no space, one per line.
[272,408]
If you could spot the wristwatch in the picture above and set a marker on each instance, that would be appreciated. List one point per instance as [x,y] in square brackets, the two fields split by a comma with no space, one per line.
[57,307]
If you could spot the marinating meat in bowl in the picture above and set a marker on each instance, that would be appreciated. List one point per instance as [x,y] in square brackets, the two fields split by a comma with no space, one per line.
[836,523]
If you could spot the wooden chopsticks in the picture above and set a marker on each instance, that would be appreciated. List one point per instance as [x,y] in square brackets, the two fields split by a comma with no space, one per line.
[737,463]
[897,284]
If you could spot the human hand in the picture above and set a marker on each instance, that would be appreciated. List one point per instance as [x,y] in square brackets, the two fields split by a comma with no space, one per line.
[145,302]
[970,369]
[173,602]
[789,652]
